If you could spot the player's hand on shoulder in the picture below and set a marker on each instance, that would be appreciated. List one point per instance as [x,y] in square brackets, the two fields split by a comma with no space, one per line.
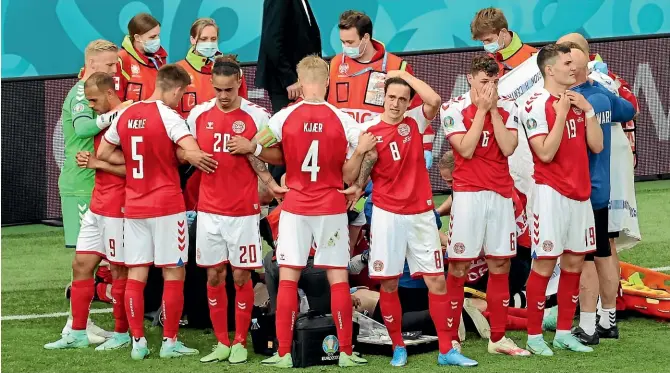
[240,145]
[562,105]
[201,160]
[579,100]
[366,142]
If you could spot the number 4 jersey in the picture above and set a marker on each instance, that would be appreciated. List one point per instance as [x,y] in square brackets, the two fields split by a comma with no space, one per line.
[317,138]
[147,133]
[232,190]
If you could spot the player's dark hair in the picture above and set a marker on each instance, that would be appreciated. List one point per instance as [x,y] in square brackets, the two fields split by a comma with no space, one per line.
[101,81]
[141,24]
[484,63]
[172,76]
[401,81]
[359,20]
[548,54]
[226,65]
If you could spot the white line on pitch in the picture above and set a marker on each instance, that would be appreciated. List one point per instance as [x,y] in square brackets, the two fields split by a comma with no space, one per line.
[50,315]
[661,269]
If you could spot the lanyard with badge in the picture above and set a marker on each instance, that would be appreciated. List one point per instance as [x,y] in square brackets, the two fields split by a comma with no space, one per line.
[374,91]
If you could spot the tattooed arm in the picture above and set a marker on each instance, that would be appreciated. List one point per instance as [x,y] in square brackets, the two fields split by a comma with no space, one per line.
[369,161]
[265,176]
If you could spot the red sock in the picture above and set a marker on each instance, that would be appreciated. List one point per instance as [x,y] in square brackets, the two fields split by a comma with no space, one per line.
[134,301]
[218,311]
[105,273]
[389,304]
[516,323]
[438,304]
[497,300]
[101,291]
[244,299]
[173,306]
[118,306]
[287,312]
[80,299]
[342,310]
[568,295]
[535,295]
[518,312]
[455,294]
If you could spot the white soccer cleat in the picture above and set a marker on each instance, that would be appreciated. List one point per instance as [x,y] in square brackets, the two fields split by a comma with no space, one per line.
[96,334]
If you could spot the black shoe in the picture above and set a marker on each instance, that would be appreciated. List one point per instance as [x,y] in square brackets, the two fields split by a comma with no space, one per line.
[609,333]
[68,291]
[586,339]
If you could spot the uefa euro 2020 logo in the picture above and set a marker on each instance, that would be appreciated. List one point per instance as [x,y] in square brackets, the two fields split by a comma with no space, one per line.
[330,346]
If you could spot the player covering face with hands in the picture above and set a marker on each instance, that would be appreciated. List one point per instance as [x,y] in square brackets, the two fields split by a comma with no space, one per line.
[482,129]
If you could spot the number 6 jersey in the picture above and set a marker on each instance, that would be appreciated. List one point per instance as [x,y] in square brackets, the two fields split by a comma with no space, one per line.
[400,182]
[316,138]
[147,132]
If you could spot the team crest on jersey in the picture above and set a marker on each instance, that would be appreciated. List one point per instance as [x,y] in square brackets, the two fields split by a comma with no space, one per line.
[547,246]
[344,68]
[459,248]
[531,124]
[378,266]
[379,139]
[403,129]
[238,126]
[135,69]
[78,108]
[210,125]
[448,122]
[577,110]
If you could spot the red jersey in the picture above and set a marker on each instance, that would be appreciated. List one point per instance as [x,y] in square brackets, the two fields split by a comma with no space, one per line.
[488,168]
[522,231]
[147,132]
[109,192]
[232,190]
[568,172]
[316,138]
[400,182]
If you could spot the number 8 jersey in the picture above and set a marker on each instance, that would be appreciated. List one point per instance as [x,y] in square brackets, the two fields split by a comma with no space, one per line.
[147,133]
[400,180]
[316,138]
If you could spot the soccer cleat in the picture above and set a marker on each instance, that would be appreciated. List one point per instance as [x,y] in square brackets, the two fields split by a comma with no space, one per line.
[220,352]
[118,340]
[399,356]
[550,319]
[91,332]
[481,324]
[352,360]
[279,361]
[172,349]
[238,354]
[139,352]
[453,357]
[610,333]
[584,338]
[538,346]
[569,342]
[73,339]
[506,346]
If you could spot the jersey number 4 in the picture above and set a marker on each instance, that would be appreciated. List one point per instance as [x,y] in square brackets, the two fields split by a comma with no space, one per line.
[138,172]
[311,162]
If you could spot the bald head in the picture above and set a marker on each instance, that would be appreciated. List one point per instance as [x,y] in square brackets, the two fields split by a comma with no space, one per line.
[577,39]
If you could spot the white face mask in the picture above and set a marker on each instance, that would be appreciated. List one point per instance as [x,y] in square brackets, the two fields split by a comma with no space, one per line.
[207,48]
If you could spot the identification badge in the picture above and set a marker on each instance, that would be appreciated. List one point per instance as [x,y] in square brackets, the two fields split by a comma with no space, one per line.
[374,93]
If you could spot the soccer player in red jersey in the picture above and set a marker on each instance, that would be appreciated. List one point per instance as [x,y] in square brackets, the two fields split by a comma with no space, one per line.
[321,148]
[101,233]
[560,124]
[155,227]
[228,222]
[482,129]
[404,224]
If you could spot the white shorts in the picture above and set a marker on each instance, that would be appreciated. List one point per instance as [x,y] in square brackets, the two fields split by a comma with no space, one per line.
[228,239]
[162,241]
[102,236]
[559,224]
[481,221]
[396,237]
[297,233]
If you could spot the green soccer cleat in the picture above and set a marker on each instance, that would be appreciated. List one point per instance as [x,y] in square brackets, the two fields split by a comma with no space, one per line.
[279,361]
[139,352]
[172,349]
[118,340]
[538,346]
[220,352]
[569,342]
[550,319]
[73,339]
[353,360]
[238,354]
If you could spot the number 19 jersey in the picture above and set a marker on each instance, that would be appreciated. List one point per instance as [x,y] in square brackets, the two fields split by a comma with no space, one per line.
[147,133]
[317,138]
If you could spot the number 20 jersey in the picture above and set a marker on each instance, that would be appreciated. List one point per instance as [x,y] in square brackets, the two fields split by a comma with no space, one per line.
[147,132]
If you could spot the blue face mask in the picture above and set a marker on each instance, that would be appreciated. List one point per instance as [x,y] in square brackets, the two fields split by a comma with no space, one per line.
[207,48]
[354,52]
[493,47]
[152,46]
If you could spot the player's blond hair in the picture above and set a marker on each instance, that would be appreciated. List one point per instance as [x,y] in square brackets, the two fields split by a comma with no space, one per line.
[98,46]
[447,161]
[200,24]
[312,69]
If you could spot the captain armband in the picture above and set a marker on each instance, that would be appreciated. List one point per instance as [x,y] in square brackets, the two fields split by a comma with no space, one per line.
[266,138]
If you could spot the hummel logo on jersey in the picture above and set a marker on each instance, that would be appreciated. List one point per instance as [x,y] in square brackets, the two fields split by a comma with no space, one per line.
[454,305]
[506,302]
[210,125]
[212,302]
[450,322]
[575,298]
[379,139]
[241,306]
[136,123]
[540,305]
[388,318]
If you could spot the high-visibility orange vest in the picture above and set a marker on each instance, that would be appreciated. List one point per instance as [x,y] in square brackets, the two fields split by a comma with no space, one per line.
[513,55]
[139,71]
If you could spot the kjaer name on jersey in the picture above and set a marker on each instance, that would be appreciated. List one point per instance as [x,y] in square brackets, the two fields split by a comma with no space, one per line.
[313,127]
